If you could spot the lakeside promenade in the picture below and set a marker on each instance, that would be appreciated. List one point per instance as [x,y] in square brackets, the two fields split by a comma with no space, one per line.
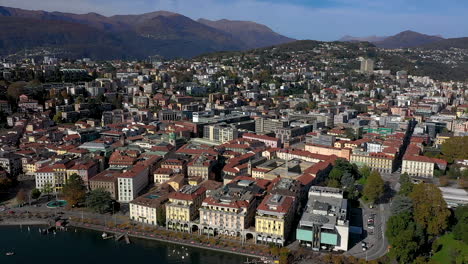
[265,258]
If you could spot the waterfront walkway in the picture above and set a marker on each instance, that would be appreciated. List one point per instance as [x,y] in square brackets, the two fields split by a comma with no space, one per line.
[183,242]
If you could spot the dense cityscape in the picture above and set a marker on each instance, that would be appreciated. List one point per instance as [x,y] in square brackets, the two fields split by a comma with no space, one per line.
[305,152]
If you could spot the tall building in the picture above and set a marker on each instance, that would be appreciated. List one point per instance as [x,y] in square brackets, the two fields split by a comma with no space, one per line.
[131,183]
[220,133]
[367,66]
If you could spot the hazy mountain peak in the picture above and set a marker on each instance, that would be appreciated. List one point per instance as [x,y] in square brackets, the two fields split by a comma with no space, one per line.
[253,34]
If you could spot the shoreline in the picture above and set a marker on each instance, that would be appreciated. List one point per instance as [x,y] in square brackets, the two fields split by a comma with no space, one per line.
[177,242]
[133,234]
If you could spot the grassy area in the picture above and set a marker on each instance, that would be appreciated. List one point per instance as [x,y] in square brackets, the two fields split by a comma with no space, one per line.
[451,251]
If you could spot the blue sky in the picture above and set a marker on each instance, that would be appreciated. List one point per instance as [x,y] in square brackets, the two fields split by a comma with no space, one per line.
[301,19]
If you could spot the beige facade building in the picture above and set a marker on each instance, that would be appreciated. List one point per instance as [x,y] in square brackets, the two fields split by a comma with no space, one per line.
[231,209]
[182,207]
[107,181]
[380,162]
[149,207]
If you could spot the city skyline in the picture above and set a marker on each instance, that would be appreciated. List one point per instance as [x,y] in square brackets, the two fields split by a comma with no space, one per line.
[319,20]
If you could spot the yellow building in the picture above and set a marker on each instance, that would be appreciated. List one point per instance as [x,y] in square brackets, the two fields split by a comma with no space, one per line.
[273,219]
[441,138]
[380,162]
[182,207]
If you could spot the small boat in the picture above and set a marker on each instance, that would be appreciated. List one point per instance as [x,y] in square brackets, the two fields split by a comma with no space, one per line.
[10,253]
[104,235]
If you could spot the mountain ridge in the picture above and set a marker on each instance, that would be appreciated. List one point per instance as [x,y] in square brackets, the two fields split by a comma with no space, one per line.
[162,33]
[404,39]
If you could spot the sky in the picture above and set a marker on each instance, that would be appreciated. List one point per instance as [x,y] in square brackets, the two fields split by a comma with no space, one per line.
[300,19]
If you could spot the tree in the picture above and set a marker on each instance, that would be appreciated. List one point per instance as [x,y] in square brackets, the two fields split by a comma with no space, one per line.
[99,201]
[365,172]
[57,117]
[374,187]
[460,230]
[47,188]
[430,208]
[455,148]
[74,190]
[406,186]
[404,237]
[15,90]
[347,180]
[21,196]
[5,184]
[35,193]
[401,204]
[334,177]
[161,216]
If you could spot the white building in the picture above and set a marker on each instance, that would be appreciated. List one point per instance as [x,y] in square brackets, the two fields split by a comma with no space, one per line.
[131,183]
[44,177]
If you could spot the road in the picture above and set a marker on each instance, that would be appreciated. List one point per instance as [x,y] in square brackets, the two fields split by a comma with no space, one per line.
[375,239]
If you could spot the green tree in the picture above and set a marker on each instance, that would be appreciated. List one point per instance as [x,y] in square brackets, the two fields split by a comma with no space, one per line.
[74,190]
[430,208]
[401,204]
[47,188]
[161,216]
[404,237]
[57,117]
[99,201]
[455,148]
[334,177]
[406,186]
[365,172]
[35,193]
[460,230]
[374,187]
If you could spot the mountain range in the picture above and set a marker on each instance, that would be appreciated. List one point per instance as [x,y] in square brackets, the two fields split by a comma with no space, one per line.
[405,39]
[160,33]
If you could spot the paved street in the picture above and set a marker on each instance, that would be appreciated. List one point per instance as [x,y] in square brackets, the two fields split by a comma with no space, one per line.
[375,239]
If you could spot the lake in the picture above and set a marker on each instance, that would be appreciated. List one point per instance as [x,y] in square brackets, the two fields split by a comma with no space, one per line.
[85,246]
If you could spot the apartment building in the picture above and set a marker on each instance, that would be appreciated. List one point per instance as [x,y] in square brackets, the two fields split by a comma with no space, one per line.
[85,170]
[11,163]
[182,207]
[231,209]
[339,152]
[271,142]
[220,133]
[107,181]
[149,208]
[45,178]
[201,166]
[131,183]
[274,219]
[380,162]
